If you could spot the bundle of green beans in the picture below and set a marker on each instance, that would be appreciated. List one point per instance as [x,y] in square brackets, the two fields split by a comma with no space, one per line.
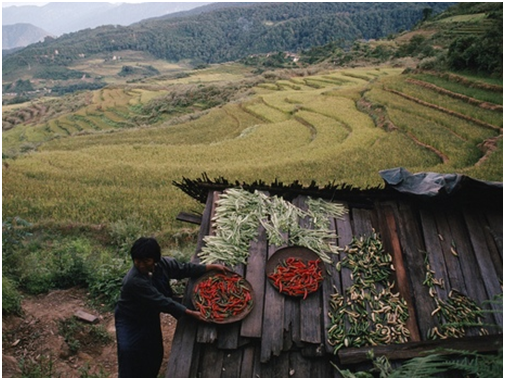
[320,210]
[455,315]
[279,218]
[239,213]
[236,222]
[316,240]
[368,313]
[318,236]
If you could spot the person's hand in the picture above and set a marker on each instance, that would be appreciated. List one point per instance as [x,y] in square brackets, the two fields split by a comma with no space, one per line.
[196,315]
[218,267]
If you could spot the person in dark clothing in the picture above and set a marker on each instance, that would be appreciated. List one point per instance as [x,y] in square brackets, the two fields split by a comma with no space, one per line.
[145,293]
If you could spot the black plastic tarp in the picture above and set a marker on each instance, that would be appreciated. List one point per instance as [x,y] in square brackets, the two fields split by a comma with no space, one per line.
[431,184]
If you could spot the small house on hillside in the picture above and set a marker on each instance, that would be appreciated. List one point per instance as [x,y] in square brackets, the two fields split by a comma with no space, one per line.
[441,239]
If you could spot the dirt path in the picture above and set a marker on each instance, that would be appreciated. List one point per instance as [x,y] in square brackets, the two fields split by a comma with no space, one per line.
[34,341]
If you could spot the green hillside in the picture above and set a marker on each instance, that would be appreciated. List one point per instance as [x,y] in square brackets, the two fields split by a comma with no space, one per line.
[466,37]
[229,34]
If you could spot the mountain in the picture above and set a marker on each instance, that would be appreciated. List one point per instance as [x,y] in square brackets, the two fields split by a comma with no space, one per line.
[21,35]
[59,18]
[234,32]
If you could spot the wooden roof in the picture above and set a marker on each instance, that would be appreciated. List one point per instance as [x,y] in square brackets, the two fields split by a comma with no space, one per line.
[286,337]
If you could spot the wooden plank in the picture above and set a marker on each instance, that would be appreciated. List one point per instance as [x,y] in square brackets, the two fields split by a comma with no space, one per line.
[322,368]
[299,367]
[207,332]
[248,365]
[495,222]
[494,241]
[310,308]
[228,336]
[215,198]
[310,318]
[195,359]
[330,283]
[467,259]
[232,360]
[312,350]
[410,236]
[180,360]
[292,334]
[255,274]
[189,218]
[488,343]
[344,233]
[391,241]
[205,226]
[362,222]
[273,320]
[452,262]
[211,363]
[278,366]
[484,262]
[469,267]
[494,253]
[432,240]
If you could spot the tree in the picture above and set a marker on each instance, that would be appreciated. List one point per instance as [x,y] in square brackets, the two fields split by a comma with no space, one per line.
[462,53]
[427,12]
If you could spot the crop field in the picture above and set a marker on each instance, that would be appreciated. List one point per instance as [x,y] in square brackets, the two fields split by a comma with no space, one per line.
[96,164]
[110,65]
[463,18]
[447,102]
[495,97]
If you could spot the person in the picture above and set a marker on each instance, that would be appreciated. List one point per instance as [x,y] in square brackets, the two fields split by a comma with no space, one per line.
[145,293]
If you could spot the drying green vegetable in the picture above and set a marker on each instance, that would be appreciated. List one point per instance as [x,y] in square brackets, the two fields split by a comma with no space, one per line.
[239,213]
[456,314]
[280,218]
[320,241]
[236,222]
[320,210]
[368,312]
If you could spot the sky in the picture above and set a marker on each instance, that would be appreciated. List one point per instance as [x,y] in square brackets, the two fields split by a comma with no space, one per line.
[19,3]
[41,3]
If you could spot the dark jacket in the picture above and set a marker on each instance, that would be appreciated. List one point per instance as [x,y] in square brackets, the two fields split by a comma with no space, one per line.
[144,297]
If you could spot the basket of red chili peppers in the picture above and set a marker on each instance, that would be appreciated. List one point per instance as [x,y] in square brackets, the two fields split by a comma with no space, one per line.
[295,271]
[223,297]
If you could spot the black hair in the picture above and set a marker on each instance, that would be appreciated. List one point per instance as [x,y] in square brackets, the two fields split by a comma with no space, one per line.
[146,248]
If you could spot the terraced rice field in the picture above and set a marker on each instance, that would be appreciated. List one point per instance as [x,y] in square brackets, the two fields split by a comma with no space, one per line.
[97,164]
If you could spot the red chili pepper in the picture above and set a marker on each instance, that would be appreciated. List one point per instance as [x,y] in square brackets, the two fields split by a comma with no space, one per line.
[221,296]
[296,277]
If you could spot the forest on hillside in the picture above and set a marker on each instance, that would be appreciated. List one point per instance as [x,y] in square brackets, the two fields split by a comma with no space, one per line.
[232,33]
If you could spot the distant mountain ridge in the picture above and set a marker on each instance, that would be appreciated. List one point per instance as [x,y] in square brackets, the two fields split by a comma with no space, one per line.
[20,35]
[59,18]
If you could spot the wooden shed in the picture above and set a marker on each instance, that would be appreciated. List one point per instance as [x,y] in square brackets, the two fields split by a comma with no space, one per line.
[288,337]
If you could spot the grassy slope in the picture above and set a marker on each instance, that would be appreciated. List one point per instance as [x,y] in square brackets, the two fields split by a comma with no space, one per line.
[300,129]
